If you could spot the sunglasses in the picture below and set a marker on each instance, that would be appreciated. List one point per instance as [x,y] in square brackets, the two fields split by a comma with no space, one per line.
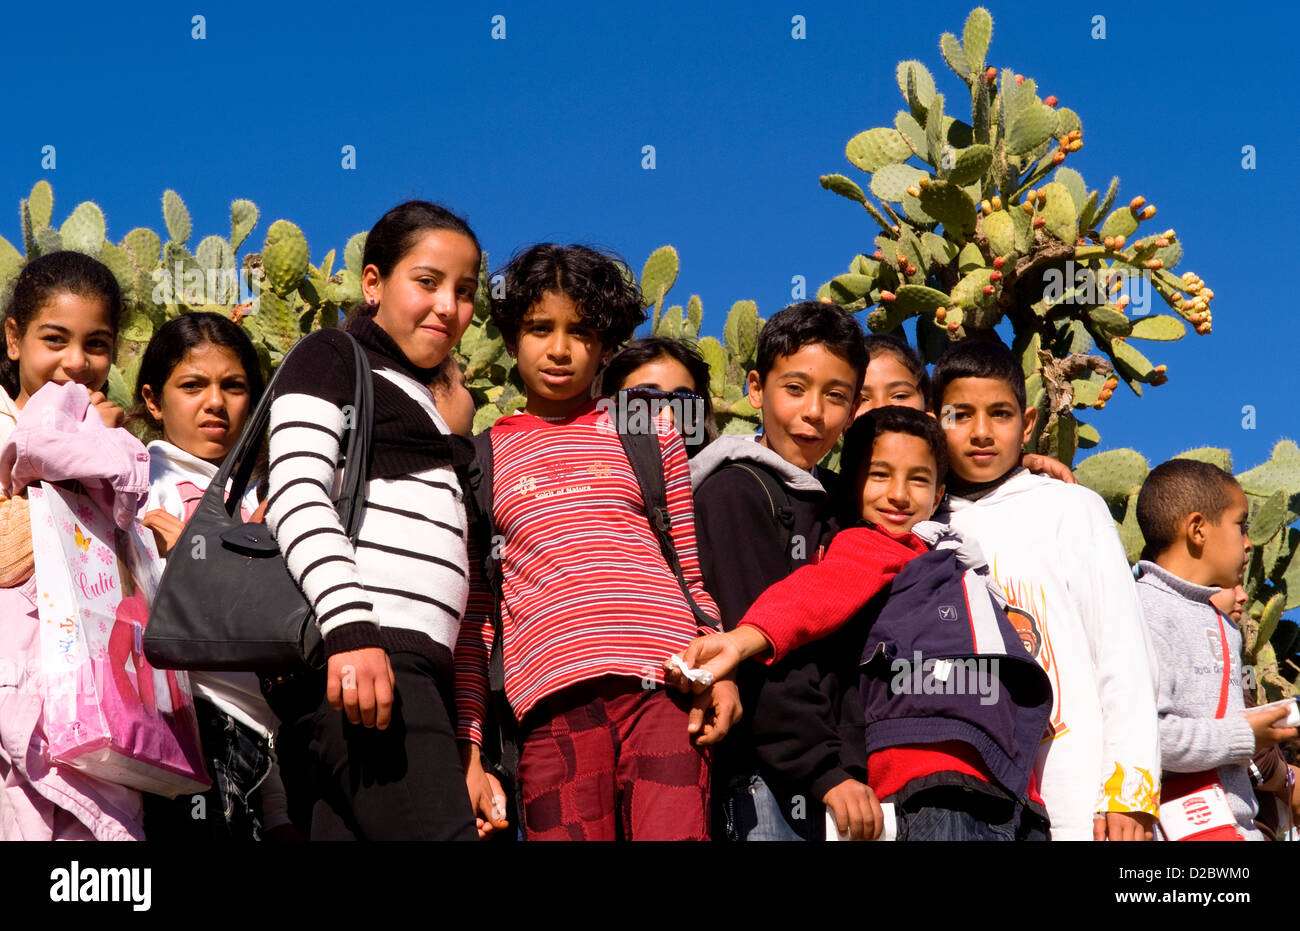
[658,394]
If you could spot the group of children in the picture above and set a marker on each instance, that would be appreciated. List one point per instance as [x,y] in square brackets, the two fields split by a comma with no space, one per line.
[546,631]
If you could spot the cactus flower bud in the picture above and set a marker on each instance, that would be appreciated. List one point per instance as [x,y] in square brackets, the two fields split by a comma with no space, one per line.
[1148,212]
[996,202]
[1040,222]
[878,255]
[886,297]
[995,276]
[940,313]
[953,326]
[1058,157]
[910,270]
[1051,100]
[1153,264]
[914,191]
[1123,301]
[990,74]
[902,260]
[1020,79]
[1000,261]
[924,182]
[1119,241]
[1161,369]
[987,289]
[1109,242]
[1161,242]
[1030,196]
[1027,207]
[1136,203]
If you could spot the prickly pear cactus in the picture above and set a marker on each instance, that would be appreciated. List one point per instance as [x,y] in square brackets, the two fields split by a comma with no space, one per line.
[278,295]
[1270,641]
[983,221]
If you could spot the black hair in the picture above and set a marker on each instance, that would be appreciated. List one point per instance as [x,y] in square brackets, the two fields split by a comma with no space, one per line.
[809,322]
[444,375]
[44,278]
[887,344]
[1171,492]
[599,284]
[860,439]
[650,349]
[396,233]
[977,358]
[173,341]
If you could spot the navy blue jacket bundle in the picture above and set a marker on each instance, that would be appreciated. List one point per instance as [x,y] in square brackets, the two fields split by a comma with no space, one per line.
[975,682]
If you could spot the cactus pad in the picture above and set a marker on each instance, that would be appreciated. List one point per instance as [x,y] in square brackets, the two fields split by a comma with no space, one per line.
[176,217]
[1114,474]
[284,256]
[1158,327]
[83,231]
[243,217]
[658,275]
[876,148]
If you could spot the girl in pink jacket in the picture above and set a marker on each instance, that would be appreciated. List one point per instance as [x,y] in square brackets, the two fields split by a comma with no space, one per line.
[60,326]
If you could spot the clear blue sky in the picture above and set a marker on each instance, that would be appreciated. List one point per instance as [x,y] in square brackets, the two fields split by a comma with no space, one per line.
[539,136]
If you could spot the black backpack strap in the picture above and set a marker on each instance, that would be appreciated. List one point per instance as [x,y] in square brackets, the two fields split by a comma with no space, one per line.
[782,513]
[646,459]
[484,530]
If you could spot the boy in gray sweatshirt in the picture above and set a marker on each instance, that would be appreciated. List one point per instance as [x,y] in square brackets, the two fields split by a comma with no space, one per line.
[1193,518]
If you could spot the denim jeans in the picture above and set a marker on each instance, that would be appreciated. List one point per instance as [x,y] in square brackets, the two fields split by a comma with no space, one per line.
[754,814]
[955,813]
[238,761]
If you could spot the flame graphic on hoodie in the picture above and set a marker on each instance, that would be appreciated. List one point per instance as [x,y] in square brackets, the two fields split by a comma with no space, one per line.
[1030,602]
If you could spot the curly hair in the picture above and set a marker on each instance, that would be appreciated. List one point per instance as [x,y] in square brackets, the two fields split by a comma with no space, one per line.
[599,284]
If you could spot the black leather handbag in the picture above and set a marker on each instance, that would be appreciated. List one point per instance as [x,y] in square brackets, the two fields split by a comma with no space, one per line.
[226,600]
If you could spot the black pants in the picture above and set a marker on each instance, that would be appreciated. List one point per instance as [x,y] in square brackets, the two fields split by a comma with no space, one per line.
[238,760]
[402,783]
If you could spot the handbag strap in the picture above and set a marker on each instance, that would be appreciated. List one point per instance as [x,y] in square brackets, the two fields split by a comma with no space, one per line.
[1225,683]
[350,501]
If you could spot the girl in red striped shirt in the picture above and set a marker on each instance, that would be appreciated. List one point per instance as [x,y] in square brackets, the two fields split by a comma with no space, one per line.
[589,607]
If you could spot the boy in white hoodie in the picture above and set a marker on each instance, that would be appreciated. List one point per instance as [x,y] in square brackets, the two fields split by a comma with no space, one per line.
[1054,550]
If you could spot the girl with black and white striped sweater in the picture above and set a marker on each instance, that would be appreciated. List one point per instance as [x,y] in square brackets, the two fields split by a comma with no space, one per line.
[383,760]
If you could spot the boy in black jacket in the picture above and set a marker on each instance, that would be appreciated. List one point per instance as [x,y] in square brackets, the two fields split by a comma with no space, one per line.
[762,509]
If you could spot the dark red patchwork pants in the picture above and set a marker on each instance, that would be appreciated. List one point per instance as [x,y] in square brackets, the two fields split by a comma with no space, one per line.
[608,760]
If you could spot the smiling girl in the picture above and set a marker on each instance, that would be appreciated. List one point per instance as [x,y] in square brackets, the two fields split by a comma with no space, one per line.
[377,726]
[60,326]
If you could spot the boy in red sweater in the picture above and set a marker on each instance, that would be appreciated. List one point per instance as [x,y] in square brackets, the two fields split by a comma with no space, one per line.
[589,607]
[952,748]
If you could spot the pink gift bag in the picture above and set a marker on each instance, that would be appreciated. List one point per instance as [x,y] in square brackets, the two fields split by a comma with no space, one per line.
[107,711]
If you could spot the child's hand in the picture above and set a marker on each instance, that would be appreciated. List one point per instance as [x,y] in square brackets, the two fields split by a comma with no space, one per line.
[1123,825]
[1052,468]
[719,653]
[856,810]
[166,528]
[1266,735]
[486,797]
[110,412]
[714,712]
[361,685]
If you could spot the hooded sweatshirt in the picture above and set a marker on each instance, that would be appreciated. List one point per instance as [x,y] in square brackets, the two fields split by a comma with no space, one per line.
[1054,551]
[797,715]
[1185,633]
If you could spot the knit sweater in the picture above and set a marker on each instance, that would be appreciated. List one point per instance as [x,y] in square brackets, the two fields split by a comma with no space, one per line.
[586,592]
[1185,634]
[404,585]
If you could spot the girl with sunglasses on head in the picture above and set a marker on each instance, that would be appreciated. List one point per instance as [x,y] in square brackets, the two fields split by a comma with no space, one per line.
[671,377]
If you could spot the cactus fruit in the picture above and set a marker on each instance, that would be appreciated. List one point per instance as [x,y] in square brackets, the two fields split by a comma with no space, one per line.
[1050,100]
[1148,212]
